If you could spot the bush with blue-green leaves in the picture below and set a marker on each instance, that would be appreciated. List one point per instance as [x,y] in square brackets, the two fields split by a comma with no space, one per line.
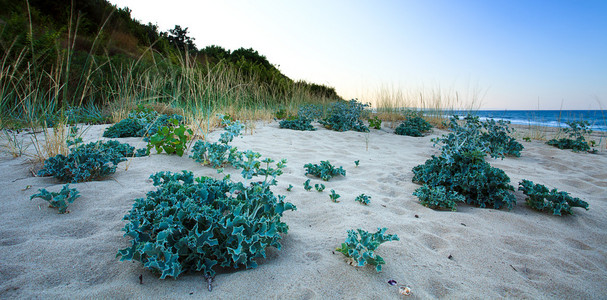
[346,115]
[539,197]
[201,224]
[90,161]
[576,141]
[360,246]
[59,200]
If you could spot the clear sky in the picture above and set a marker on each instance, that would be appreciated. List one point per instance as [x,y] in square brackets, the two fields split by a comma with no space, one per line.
[514,54]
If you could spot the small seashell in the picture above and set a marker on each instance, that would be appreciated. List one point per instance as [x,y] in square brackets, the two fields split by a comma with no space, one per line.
[392,282]
[404,290]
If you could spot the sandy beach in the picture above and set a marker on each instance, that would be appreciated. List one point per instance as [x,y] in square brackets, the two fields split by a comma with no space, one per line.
[473,253]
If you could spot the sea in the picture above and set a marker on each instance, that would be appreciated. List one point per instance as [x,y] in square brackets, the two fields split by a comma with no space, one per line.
[549,118]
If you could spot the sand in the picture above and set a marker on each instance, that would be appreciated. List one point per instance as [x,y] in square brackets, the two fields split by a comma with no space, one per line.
[473,253]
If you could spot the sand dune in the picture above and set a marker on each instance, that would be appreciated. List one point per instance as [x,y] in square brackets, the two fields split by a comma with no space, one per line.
[471,253]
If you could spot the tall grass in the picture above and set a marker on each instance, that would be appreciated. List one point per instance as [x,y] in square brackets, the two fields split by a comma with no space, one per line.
[392,102]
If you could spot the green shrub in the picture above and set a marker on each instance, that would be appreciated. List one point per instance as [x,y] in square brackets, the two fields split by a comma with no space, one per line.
[414,126]
[344,116]
[540,198]
[311,112]
[363,199]
[462,170]
[141,123]
[438,197]
[202,224]
[375,123]
[89,162]
[319,187]
[58,200]
[490,136]
[171,138]
[125,128]
[300,123]
[576,140]
[325,170]
[360,246]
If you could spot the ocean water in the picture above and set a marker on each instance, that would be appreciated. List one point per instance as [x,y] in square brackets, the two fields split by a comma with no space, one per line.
[550,118]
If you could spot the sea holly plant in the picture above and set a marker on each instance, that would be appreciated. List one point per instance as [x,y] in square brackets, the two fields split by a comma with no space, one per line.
[438,197]
[414,126]
[334,196]
[539,197]
[319,187]
[307,185]
[357,162]
[297,123]
[289,188]
[363,199]
[171,138]
[325,170]
[220,153]
[201,224]
[360,246]
[58,200]
[88,162]
[576,140]
[344,116]
[462,170]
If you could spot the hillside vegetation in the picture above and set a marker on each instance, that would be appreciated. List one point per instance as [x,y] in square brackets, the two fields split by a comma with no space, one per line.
[92,56]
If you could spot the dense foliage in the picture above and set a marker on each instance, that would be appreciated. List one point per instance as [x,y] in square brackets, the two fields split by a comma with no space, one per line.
[142,122]
[325,170]
[344,116]
[201,224]
[171,138]
[59,200]
[576,140]
[541,198]
[414,125]
[88,162]
[438,197]
[462,170]
[360,246]
[298,123]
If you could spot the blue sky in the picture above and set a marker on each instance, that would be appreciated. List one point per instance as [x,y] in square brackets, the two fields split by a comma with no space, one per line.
[512,54]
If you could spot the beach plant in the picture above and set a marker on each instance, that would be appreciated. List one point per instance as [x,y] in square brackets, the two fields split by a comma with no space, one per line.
[325,170]
[497,136]
[310,111]
[171,138]
[201,224]
[307,185]
[438,197]
[59,200]
[363,199]
[141,122]
[360,246]
[220,153]
[539,197]
[414,126]
[319,187]
[576,141]
[357,162]
[298,123]
[375,122]
[344,116]
[462,170]
[289,188]
[334,196]
[281,113]
[90,161]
